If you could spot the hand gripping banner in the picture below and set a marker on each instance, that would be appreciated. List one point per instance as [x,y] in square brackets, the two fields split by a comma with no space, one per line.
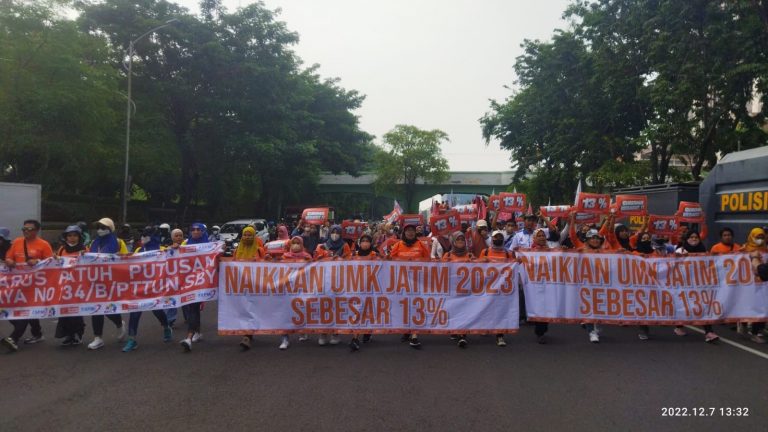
[572,287]
[97,284]
[367,297]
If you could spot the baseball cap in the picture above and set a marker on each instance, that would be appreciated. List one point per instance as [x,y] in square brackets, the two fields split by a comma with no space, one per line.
[497,232]
[593,233]
[482,223]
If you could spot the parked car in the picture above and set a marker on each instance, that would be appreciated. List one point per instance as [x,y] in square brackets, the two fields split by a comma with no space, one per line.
[232,229]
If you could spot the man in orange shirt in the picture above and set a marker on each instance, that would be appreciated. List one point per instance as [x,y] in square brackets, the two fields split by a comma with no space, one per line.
[726,244]
[410,248]
[27,250]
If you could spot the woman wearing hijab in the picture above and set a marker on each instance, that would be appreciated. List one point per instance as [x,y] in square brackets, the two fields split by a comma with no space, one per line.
[407,249]
[106,242]
[295,253]
[150,241]
[174,242]
[197,235]
[755,245]
[250,248]
[364,250]
[282,232]
[458,253]
[334,247]
[691,244]
[71,328]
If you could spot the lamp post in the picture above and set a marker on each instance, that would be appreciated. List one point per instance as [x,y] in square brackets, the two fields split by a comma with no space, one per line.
[126,184]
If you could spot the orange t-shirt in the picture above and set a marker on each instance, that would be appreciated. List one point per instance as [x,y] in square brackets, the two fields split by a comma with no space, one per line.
[496,255]
[449,257]
[321,252]
[36,249]
[721,248]
[417,250]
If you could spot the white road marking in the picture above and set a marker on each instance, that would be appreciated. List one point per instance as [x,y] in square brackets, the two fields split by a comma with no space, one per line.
[733,343]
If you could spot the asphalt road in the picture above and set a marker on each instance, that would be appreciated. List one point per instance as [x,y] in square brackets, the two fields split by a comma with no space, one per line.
[622,384]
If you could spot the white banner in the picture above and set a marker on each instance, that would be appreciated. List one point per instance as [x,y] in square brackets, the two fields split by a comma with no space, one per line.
[576,287]
[367,297]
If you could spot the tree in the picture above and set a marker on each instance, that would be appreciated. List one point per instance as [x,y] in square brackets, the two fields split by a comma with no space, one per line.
[410,154]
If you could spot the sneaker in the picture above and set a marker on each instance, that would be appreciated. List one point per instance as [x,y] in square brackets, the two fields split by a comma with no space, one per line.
[96,344]
[245,343]
[197,337]
[68,341]
[367,338]
[594,337]
[122,332]
[541,339]
[500,342]
[642,336]
[130,345]
[711,337]
[679,331]
[757,338]
[34,339]
[167,334]
[284,344]
[186,344]
[335,339]
[414,342]
[10,344]
[462,343]
[322,341]
[303,337]
[354,344]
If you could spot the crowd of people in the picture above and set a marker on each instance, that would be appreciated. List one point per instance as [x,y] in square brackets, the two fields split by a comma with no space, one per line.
[488,240]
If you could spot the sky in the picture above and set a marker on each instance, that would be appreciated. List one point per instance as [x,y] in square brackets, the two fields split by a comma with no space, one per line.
[433,64]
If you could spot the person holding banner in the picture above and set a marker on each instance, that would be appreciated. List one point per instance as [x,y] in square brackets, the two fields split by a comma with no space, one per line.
[29,249]
[458,253]
[175,241]
[296,253]
[150,241]
[71,328]
[197,235]
[594,244]
[726,244]
[407,249]
[756,246]
[540,243]
[334,247]
[364,250]
[441,244]
[691,244]
[250,248]
[498,253]
[106,242]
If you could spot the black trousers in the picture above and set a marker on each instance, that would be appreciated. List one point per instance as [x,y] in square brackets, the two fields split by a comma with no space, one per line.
[70,326]
[20,326]
[98,323]
[192,312]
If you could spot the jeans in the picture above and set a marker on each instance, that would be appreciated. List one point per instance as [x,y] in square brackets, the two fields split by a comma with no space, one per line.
[192,312]
[98,323]
[133,321]
[20,326]
[171,314]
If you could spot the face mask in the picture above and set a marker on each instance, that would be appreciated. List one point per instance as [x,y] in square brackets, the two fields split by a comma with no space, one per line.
[102,232]
[759,242]
[498,242]
[72,243]
[145,240]
[335,237]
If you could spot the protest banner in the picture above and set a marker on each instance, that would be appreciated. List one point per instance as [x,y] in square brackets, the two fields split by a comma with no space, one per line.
[411,219]
[351,230]
[513,202]
[593,203]
[663,225]
[367,297]
[97,284]
[315,216]
[553,211]
[276,247]
[494,203]
[631,205]
[444,224]
[467,212]
[586,218]
[571,287]
[690,212]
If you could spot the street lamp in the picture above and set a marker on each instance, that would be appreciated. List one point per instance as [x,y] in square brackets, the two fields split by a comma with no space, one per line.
[126,185]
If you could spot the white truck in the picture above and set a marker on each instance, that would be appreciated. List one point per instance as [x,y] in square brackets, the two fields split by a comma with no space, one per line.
[19,202]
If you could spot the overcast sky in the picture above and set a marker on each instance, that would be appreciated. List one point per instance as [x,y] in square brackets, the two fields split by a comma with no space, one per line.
[433,64]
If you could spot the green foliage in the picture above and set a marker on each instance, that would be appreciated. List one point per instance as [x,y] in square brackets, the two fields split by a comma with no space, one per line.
[410,154]
[673,77]
[226,116]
